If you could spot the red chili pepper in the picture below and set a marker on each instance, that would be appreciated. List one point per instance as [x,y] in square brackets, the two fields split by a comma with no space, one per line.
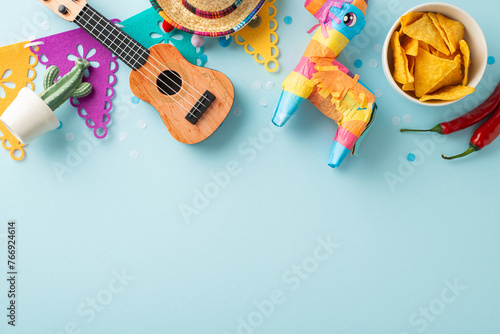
[463,122]
[483,136]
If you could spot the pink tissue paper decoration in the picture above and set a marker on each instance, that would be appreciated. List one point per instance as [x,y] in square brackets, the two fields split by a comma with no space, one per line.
[61,50]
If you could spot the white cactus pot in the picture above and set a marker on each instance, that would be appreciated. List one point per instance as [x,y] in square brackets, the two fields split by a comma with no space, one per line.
[29,117]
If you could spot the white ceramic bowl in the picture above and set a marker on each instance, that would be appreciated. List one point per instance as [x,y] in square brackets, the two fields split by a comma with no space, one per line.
[473,35]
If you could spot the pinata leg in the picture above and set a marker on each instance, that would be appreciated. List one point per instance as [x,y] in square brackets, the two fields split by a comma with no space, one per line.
[296,90]
[351,128]
[287,106]
[343,144]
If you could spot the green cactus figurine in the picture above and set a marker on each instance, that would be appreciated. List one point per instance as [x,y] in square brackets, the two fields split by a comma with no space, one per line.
[70,85]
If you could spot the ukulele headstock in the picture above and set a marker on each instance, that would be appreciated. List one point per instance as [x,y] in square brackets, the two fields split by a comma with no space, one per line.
[66,9]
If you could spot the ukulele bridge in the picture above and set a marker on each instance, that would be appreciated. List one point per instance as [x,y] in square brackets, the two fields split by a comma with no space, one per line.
[200,107]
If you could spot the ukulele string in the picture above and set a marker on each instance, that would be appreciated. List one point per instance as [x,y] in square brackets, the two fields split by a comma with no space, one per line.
[135,43]
[145,58]
[159,79]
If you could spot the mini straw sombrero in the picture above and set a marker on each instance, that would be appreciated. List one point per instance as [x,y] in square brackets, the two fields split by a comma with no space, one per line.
[208,17]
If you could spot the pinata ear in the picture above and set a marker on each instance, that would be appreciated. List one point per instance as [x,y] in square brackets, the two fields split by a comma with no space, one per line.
[361,4]
[313,6]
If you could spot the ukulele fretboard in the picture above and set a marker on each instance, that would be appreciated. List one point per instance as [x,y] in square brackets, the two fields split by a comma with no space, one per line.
[114,39]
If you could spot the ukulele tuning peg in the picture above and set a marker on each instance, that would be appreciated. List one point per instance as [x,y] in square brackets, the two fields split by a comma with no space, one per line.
[62,9]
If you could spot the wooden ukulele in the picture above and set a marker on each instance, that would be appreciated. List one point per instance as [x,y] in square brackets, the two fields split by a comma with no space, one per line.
[193,101]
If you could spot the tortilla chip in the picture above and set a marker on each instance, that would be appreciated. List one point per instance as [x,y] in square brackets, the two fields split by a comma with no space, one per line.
[400,61]
[401,32]
[454,31]
[442,55]
[409,87]
[425,31]
[411,46]
[424,46]
[461,54]
[411,69]
[449,93]
[464,48]
[430,71]
[453,78]
[435,21]
[410,62]
[410,18]
[433,51]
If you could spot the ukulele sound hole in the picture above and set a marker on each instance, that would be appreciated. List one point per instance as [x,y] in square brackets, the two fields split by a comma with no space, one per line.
[169,82]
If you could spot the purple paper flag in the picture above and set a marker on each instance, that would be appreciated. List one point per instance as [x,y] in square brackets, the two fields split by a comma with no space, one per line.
[61,50]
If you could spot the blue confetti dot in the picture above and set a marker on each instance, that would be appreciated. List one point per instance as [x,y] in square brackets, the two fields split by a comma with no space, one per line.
[60,125]
[358,63]
[203,58]
[135,100]
[411,157]
[224,42]
[288,20]
[491,60]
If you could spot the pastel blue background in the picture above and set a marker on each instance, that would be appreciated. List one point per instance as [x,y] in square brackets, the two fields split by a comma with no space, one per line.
[398,248]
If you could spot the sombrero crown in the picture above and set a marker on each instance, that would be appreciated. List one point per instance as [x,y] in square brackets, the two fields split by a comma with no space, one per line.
[208,17]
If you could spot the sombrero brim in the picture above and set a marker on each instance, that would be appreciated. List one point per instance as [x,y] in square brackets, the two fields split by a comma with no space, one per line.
[183,19]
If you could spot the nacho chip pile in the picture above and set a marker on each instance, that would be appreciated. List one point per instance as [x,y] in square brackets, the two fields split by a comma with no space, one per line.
[431,57]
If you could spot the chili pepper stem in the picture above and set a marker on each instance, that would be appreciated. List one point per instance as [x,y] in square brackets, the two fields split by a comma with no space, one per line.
[472,148]
[438,129]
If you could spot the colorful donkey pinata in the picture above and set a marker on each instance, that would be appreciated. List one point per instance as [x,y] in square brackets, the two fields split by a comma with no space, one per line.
[329,85]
